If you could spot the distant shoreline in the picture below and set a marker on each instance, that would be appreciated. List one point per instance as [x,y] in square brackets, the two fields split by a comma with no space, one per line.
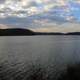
[27,32]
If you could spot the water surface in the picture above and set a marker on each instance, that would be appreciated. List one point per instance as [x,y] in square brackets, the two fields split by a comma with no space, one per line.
[55,51]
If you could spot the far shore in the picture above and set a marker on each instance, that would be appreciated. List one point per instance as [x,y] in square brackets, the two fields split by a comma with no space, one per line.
[28,32]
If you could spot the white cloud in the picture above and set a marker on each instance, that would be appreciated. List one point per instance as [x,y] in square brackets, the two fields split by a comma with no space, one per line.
[30,7]
[25,8]
[2,26]
[42,15]
[66,27]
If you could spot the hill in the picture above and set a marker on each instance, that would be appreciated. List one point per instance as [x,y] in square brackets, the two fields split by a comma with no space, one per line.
[26,32]
[15,32]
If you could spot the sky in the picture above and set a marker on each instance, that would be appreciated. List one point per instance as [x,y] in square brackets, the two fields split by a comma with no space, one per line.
[41,15]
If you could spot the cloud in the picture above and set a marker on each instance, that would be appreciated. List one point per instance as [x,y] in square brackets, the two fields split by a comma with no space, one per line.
[29,7]
[41,15]
[2,26]
[18,5]
[68,9]
[67,27]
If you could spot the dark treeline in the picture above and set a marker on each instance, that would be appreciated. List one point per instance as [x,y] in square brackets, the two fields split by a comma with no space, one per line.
[15,32]
[57,33]
[49,33]
[26,32]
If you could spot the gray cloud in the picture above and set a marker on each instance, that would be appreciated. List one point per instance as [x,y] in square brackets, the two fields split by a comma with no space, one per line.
[39,13]
[2,1]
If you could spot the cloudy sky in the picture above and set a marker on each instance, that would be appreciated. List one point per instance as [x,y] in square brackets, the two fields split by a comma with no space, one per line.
[41,15]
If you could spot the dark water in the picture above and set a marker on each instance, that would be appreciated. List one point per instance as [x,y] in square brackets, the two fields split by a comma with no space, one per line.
[52,52]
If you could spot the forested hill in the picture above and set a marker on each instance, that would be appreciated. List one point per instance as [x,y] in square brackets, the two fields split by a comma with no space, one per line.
[15,32]
[26,32]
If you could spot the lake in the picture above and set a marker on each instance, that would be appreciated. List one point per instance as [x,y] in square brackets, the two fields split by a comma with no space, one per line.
[55,52]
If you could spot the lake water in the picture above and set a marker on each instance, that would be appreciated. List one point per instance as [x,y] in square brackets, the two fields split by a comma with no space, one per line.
[55,51]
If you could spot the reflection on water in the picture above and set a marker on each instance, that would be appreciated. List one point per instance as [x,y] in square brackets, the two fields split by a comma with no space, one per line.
[52,52]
